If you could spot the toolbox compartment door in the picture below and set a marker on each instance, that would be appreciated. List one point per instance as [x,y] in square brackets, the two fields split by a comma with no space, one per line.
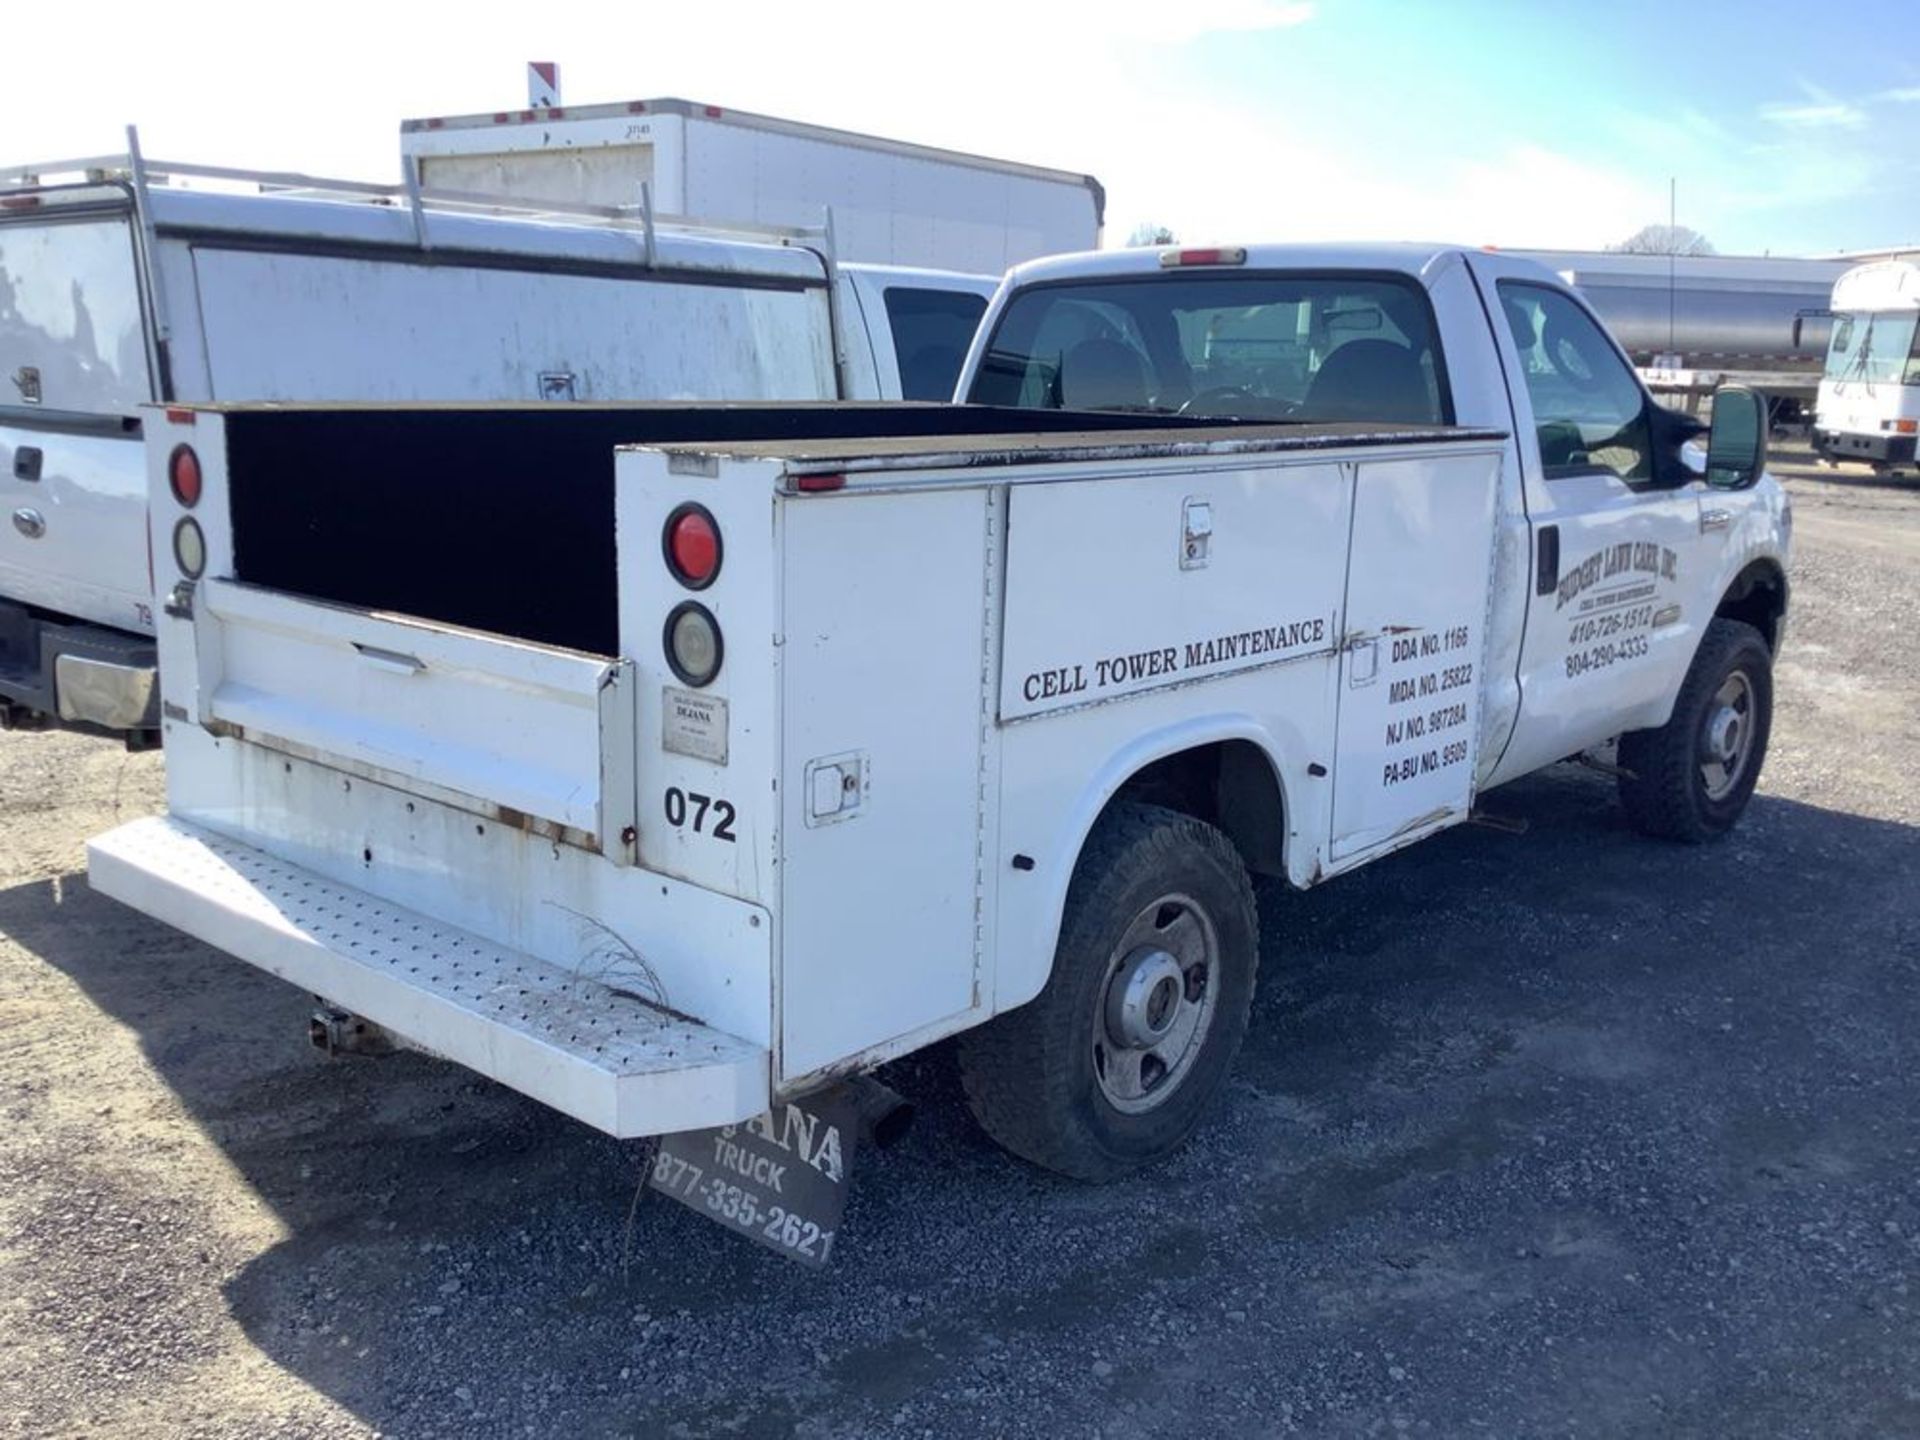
[883,668]
[1419,571]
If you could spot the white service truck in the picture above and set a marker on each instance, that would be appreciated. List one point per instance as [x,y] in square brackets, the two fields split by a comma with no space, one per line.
[118,289]
[1869,405]
[892,202]
[771,746]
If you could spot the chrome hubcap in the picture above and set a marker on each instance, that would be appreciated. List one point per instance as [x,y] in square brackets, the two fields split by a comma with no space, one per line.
[1727,740]
[1157,1004]
[1143,1001]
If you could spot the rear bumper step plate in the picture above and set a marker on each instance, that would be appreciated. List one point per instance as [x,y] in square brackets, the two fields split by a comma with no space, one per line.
[599,1055]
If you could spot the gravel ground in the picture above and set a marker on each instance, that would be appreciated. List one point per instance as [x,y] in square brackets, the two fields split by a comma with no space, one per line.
[1559,1134]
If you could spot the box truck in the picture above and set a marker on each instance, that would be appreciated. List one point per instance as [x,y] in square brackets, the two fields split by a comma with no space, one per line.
[891,202]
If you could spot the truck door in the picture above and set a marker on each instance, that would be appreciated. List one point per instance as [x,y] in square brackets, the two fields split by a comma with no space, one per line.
[1619,594]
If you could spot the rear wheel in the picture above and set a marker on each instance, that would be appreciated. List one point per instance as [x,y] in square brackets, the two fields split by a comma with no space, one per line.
[1112,1065]
[1691,778]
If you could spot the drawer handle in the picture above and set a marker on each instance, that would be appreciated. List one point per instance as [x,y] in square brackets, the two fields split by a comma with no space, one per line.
[394,660]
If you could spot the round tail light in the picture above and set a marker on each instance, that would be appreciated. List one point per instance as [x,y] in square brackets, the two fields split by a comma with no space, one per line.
[189,548]
[691,542]
[183,475]
[694,648]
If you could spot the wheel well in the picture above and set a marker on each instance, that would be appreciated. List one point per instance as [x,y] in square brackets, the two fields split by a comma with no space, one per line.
[1229,784]
[1757,596]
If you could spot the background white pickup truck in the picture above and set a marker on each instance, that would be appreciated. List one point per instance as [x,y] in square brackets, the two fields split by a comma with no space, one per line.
[116,293]
[772,746]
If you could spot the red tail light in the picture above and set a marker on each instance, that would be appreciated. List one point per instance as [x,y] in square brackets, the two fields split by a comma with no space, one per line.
[1217,255]
[691,543]
[183,475]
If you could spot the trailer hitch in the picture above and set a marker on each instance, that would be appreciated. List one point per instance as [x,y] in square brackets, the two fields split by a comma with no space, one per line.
[340,1032]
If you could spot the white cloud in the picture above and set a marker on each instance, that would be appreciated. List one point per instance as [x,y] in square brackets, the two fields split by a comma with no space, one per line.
[1086,25]
[1308,186]
[1815,117]
[1818,111]
[1900,95]
[1194,18]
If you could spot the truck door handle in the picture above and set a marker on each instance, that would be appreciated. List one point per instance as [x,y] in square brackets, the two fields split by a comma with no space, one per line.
[1548,578]
[1715,520]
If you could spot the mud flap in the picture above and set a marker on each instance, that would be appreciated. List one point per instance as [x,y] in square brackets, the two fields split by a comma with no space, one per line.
[779,1179]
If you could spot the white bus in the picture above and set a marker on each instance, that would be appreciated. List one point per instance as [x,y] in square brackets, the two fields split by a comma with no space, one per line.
[1869,406]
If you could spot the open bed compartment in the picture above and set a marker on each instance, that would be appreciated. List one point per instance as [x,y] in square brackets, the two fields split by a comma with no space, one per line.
[502,519]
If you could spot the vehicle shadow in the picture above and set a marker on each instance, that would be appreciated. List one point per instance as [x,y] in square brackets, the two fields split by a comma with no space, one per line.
[1467,1066]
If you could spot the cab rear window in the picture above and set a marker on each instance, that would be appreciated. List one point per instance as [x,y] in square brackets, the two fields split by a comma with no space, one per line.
[1325,347]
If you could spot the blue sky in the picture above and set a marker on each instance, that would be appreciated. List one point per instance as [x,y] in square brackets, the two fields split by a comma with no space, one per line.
[1790,128]
[1787,126]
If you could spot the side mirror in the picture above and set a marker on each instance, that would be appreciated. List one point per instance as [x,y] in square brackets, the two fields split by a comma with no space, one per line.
[1737,441]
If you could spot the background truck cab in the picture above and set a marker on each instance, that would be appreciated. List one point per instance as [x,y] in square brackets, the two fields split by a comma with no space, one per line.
[117,291]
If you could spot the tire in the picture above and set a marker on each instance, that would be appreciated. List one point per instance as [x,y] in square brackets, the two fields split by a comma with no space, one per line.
[1069,1080]
[1679,782]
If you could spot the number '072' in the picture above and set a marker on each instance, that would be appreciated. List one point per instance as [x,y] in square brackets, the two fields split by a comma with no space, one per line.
[705,814]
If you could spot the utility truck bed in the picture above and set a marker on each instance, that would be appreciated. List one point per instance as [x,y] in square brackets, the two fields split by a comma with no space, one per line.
[425,699]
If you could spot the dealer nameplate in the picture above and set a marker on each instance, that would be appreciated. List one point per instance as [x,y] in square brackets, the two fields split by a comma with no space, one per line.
[779,1179]
[693,724]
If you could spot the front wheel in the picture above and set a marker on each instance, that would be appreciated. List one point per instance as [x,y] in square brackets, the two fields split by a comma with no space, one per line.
[1112,1065]
[1691,778]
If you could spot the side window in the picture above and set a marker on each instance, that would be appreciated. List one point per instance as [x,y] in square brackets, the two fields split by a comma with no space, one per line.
[1587,406]
[931,332]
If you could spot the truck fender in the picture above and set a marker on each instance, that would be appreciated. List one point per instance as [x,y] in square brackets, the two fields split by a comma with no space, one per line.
[1751,586]
[1026,956]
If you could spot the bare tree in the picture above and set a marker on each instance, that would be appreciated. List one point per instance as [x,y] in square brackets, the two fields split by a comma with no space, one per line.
[1665,240]
[1149,232]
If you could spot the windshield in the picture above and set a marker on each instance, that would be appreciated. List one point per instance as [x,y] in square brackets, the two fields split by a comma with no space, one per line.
[71,326]
[1274,347]
[1875,348]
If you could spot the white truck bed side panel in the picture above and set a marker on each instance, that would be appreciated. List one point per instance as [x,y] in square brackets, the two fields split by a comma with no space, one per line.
[292,327]
[1094,619]
[883,661]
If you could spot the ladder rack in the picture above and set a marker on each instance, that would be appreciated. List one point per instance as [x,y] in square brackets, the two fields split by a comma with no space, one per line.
[141,174]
